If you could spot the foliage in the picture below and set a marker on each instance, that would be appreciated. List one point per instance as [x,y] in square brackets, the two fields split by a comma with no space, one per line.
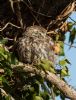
[20,85]
[72,35]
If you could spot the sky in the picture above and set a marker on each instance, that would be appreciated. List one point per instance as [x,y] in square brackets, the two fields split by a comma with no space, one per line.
[71,56]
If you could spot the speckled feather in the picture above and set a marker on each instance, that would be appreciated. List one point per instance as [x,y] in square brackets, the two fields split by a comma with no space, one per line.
[34,45]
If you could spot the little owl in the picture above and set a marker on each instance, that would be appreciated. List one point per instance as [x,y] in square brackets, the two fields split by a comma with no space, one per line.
[34,45]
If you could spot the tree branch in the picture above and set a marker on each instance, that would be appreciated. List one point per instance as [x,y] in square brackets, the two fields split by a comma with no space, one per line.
[3,92]
[52,78]
[70,45]
[9,23]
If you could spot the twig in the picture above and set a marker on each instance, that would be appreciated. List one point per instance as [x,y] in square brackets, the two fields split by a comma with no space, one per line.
[9,23]
[72,19]
[40,8]
[32,12]
[70,45]
[35,11]
[3,92]
[68,10]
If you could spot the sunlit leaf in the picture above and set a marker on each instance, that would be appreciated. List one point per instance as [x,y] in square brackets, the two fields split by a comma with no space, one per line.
[64,72]
[61,48]
[37,98]
[70,25]
[46,65]
[62,62]
[8,97]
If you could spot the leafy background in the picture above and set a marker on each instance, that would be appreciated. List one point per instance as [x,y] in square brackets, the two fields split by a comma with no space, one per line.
[71,55]
[19,84]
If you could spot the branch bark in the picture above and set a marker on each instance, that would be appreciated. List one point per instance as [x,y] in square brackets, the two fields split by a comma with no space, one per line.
[9,23]
[3,92]
[52,78]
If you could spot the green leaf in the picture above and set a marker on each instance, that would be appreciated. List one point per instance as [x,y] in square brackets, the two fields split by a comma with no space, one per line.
[3,53]
[57,37]
[72,36]
[67,61]
[37,98]
[62,62]
[64,72]
[40,78]
[1,78]
[8,71]
[4,80]
[13,59]
[46,65]
[45,95]
[61,48]
[36,87]
[6,84]
[8,98]
[47,62]
[70,25]
[3,40]
[56,91]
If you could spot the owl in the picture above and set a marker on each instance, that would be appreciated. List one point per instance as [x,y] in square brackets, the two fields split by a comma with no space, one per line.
[34,45]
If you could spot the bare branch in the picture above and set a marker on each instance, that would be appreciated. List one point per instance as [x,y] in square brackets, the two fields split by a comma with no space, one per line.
[72,19]
[3,92]
[70,45]
[11,3]
[9,23]
[30,8]
[32,12]
[67,10]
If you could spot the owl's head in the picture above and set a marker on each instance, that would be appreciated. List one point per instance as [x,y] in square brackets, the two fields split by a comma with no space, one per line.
[35,31]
